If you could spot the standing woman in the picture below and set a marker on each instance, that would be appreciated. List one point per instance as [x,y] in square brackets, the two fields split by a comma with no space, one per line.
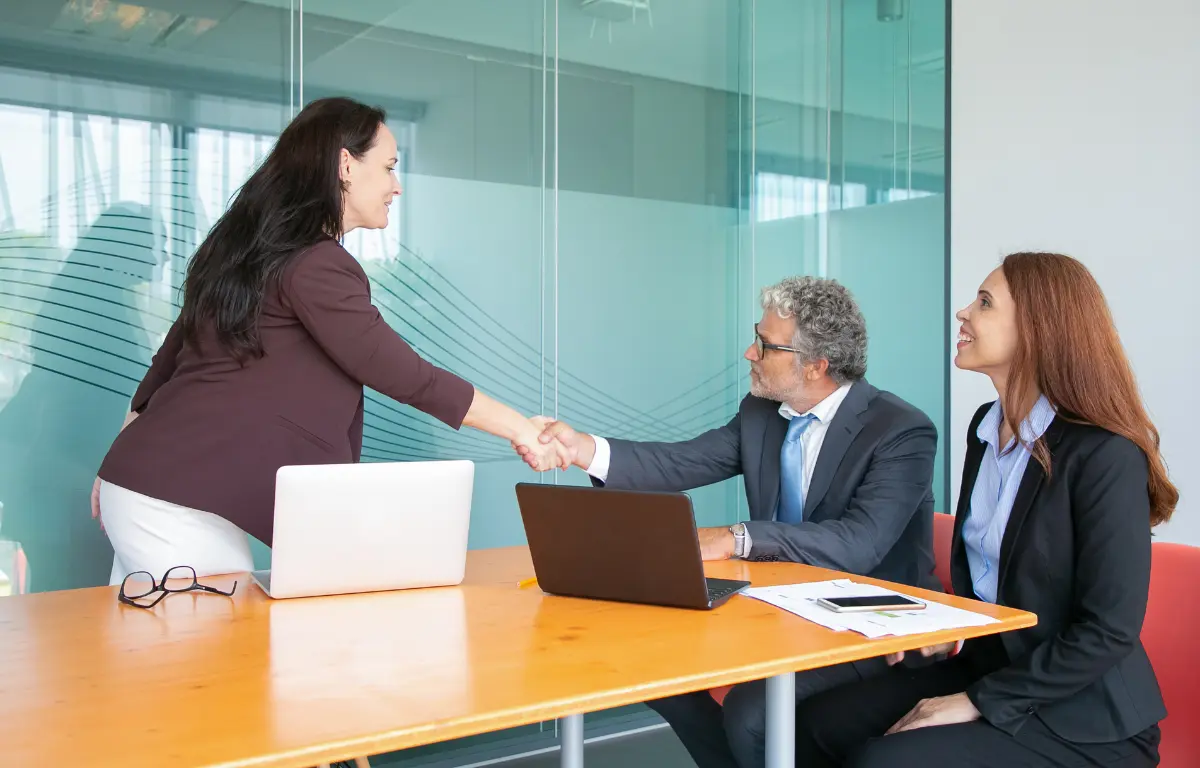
[266,364]
[1062,483]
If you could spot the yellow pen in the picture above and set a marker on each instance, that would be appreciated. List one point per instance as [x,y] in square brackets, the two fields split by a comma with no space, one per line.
[526,582]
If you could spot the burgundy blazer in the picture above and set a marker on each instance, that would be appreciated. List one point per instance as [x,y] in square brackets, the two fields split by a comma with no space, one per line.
[212,432]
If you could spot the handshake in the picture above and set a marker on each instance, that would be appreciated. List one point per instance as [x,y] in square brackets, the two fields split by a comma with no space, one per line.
[549,444]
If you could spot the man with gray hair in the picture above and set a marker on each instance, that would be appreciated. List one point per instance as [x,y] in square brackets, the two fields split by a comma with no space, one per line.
[837,473]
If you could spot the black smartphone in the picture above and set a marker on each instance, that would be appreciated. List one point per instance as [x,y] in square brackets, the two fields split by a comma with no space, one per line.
[874,603]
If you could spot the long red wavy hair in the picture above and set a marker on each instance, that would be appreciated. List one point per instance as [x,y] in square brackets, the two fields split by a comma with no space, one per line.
[1068,349]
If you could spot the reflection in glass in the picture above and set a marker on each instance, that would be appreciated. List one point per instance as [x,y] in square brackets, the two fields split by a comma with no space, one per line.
[14,568]
[124,129]
[80,351]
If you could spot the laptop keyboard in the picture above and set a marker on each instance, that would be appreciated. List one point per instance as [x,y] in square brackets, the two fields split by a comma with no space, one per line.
[719,589]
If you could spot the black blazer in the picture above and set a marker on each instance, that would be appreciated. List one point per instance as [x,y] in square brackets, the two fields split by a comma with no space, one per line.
[1076,552]
[869,507]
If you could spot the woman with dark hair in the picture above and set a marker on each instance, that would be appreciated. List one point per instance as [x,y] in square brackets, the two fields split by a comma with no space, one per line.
[266,364]
[1062,483]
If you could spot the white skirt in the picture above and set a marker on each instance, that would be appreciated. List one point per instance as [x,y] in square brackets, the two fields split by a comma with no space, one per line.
[154,536]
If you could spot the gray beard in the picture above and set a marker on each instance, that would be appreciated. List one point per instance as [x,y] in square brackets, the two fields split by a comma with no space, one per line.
[758,389]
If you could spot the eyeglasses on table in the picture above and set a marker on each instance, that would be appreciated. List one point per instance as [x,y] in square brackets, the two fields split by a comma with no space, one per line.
[145,592]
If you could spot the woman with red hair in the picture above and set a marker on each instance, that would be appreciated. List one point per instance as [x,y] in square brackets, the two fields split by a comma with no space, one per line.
[1062,483]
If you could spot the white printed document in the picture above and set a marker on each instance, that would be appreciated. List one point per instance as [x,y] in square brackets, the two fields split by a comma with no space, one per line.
[801,599]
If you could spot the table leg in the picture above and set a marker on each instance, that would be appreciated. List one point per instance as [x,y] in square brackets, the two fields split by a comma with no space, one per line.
[572,741]
[781,721]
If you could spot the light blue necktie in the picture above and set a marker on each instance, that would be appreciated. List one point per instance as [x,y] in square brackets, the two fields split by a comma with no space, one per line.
[791,471]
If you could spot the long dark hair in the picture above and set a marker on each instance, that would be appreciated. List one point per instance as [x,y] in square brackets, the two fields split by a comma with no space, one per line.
[293,201]
[1068,349]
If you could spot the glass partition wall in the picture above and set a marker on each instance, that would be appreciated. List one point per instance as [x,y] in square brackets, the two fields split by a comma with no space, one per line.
[594,193]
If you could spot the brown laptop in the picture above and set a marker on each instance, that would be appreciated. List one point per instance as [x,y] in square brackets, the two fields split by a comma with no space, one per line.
[627,546]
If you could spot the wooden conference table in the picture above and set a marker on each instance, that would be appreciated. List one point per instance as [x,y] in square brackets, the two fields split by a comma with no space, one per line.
[204,680]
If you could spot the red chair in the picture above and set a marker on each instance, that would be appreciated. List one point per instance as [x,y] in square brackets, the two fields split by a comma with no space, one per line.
[1169,635]
[943,535]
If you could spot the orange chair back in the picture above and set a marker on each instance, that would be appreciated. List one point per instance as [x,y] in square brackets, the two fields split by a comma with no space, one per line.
[943,535]
[1170,634]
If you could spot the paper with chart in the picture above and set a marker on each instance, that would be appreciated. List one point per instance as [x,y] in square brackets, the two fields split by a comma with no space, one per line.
[801,599]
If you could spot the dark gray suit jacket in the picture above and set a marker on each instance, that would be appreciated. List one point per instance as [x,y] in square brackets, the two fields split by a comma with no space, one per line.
[1075,551]
[869,508]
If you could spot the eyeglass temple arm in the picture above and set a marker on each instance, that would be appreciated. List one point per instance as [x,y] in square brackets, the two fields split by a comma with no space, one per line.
[214,590]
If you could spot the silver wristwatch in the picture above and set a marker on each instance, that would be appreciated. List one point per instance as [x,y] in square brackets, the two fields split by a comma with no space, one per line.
[741,540]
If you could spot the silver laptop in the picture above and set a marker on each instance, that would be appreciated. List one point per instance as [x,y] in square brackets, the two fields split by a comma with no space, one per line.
[344,528]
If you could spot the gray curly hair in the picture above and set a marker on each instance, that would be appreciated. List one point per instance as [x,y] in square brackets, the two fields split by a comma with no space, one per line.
[829,324]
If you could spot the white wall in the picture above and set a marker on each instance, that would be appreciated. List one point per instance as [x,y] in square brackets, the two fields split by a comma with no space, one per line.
[1074,128]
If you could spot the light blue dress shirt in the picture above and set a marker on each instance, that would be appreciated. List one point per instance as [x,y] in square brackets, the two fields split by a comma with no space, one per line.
[995,491]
